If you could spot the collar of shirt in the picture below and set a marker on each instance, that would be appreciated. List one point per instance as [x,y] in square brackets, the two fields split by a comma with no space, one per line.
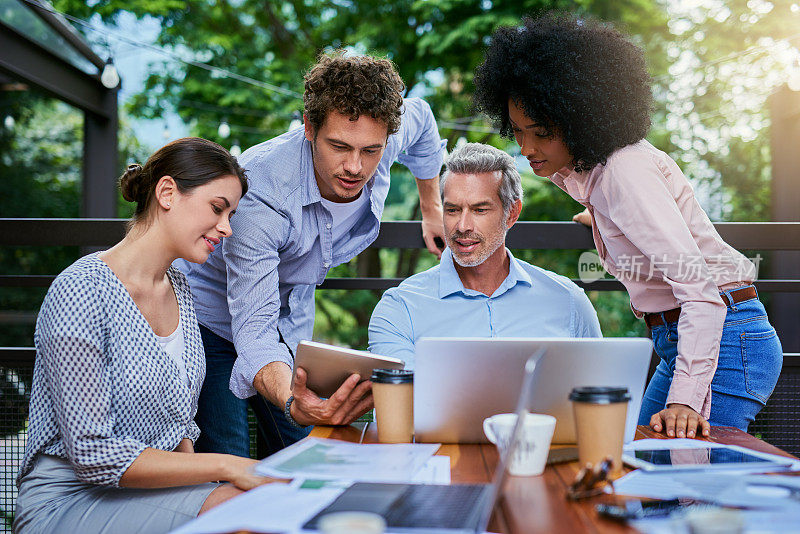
[579,185]
[310,187]
[450,282]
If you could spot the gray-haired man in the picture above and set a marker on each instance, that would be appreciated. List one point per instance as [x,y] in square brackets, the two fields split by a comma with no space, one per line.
[479,289]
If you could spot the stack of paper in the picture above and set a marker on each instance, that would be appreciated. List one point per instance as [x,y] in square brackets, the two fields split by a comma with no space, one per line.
[332,459]
[269,508]
[768,522]
[322,469]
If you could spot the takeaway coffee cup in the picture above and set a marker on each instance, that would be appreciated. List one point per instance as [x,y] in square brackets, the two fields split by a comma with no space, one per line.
[393,393]
[533,444]
[600,414]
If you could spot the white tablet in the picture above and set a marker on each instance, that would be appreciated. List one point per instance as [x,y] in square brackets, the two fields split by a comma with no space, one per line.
[328,366]
[712,457]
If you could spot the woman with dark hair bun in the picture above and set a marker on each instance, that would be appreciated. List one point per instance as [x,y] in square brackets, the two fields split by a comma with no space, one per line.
[119,364]
[575,94]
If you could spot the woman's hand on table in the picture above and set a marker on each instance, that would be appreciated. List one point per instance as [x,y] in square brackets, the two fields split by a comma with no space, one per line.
[679,420]
[240,472]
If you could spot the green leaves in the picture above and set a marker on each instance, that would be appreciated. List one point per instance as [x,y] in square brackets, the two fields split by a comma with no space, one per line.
[436,45]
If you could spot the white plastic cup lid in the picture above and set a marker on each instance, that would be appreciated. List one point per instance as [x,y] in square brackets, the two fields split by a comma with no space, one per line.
[352,523]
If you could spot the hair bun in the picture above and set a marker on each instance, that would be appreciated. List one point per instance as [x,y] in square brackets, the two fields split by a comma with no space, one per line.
[130,183]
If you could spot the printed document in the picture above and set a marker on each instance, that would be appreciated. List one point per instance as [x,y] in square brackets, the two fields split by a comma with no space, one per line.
[333,459]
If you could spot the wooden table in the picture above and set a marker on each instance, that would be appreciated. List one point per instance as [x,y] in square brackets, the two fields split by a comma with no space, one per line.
[539,504]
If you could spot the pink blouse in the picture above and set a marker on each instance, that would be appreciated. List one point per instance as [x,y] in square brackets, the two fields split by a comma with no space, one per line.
[653,236]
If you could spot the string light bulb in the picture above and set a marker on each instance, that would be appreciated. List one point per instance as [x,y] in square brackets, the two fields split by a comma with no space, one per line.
[236,150]
[110,77]
[224,129]
[297,120]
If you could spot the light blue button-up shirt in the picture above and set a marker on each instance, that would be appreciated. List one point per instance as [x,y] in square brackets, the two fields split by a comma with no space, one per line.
[258,287]
[531,302]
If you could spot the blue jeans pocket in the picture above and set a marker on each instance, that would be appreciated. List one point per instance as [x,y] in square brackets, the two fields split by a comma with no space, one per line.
[762,360]
[665,342]
[672,333]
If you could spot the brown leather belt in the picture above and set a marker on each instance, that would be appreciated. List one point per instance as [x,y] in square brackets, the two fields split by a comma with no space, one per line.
[737,295]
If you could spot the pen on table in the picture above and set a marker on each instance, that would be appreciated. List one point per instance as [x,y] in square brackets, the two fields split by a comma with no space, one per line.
[363,432]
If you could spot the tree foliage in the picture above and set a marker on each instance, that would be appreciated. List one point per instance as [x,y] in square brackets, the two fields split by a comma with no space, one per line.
[699,81]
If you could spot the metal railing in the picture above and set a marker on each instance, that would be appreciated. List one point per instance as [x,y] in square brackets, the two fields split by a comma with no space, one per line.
[762,236]
[777,236]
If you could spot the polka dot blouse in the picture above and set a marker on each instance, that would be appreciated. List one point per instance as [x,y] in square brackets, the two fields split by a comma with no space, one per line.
[103,389]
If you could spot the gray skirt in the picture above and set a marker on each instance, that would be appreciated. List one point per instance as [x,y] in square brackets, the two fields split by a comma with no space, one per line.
[52,499]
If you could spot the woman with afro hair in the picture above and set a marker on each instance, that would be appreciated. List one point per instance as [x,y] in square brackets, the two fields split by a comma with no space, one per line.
[575,94]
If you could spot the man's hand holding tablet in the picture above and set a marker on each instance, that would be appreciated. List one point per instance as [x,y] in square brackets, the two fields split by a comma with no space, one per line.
[352,400]
[329,386]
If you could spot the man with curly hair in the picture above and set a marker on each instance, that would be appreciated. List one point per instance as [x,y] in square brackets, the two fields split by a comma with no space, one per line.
[575,94]
[315,201]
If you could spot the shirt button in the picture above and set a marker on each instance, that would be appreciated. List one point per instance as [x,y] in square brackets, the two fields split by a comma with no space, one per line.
[328,226]
[326,264]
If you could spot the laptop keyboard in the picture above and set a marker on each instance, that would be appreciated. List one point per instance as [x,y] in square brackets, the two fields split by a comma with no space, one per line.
[413,505]
[434,506]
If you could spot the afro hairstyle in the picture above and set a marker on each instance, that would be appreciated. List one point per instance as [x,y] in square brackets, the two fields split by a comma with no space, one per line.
[579,78]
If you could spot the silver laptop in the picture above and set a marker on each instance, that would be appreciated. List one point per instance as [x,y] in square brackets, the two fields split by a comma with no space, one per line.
[436,508]
[459,382]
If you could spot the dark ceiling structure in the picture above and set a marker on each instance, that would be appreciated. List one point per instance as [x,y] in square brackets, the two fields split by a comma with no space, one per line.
[40,49]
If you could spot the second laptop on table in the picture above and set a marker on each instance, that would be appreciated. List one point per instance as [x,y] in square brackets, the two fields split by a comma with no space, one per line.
[459,382]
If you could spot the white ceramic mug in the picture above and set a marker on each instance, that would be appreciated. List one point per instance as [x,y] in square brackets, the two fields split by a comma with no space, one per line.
[533,444]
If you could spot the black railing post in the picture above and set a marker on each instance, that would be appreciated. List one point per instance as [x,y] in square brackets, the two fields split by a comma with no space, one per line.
[785,133]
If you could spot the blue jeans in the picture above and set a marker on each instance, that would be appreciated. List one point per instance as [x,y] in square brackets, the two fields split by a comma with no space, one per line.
[750,361]
[222,416]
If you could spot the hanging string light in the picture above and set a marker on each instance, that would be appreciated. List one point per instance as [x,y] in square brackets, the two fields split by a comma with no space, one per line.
[110,77]
[297,120]
[224,129]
